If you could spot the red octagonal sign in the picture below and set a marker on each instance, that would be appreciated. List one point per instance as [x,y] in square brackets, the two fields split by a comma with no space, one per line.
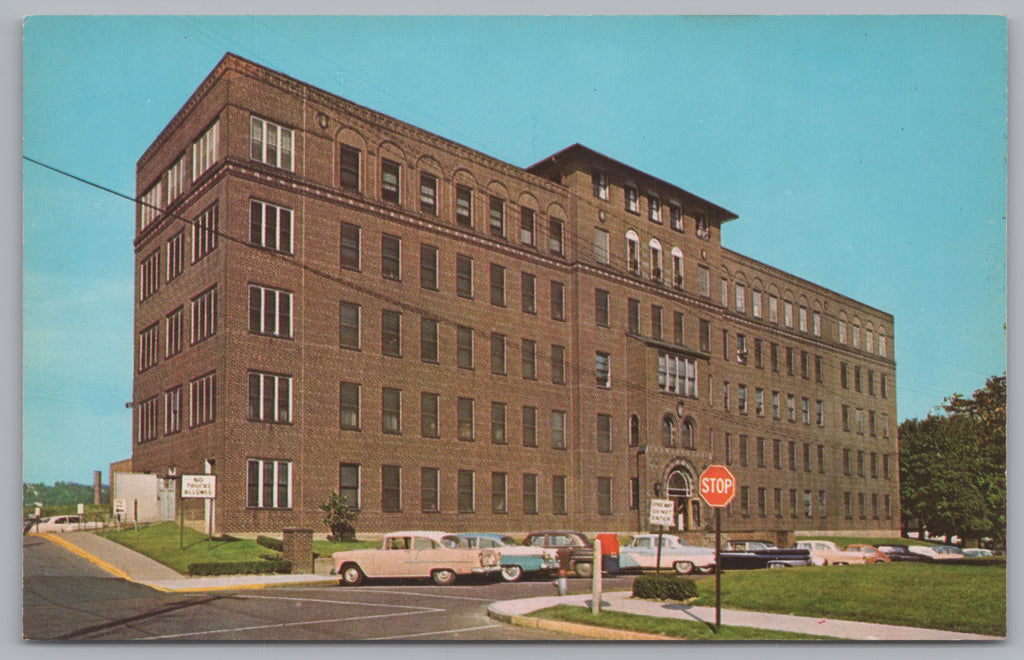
[717,486]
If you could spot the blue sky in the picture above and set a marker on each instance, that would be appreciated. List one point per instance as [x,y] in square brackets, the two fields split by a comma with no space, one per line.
[866,154]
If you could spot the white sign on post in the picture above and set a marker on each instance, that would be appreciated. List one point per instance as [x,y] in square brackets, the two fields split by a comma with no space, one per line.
[662,512]
[120,506]
[198,485]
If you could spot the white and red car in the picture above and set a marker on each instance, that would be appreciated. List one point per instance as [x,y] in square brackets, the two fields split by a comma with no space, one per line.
[825,553]
[422,554]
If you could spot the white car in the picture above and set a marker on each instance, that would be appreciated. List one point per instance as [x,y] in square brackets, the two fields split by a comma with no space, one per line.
[68,523]
[642,553]
[824,553]
[977,552]
[422,554]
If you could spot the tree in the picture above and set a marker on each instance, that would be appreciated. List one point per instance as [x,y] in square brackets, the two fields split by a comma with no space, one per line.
[339,517]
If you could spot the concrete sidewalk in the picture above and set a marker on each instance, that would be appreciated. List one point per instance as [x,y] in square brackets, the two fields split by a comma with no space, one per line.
[516,611]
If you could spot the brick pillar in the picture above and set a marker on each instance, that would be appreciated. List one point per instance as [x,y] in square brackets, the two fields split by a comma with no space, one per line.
[298,548]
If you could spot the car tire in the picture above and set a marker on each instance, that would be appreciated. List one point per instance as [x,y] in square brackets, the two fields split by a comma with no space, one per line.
[511,573]
[583,569]
[706,570]
[443,577]
[351,575]
[683,567]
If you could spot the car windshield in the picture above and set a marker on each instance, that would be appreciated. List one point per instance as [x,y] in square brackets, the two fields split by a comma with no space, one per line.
[508,540]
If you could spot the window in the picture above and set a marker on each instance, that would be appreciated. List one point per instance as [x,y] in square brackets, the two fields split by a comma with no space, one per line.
[776,413]
[149,347]
[528,293]
[791,407]
[428,194]
[883,386]
[705,336]
[758,354]
[816,323]
[348,322]
[755,298]
[497,353]
[843,382]
[860,421]
[744,451]
[270,311]
[204,233]
[429,415]
[802,318]
[653,209]
[805,410]
[885,467]
[599,181]
[391,333]
[602,249]
[882,352]
[761,457]
[270,226]
[390,488]
[860,463]
[148,416]
[558,495]
[792,502]
[465,412]
[428,340]
[861,505]
[350,246]
[741,349]
[773,309]
[632,253]
[856,334]
[498,436]
[348,168]
[497,217]
[725,293]
[464,347]
[871,382]
[204,151]
[204,315]
[634,430]
[557,364]
[871,422]
[817,369]
[497,285]
[846,418]
[529,428]
[703,230]
[270,398]
[202,407]
[689,434]
[348,406]
[557,429]
[675,214]
[807,457]
[602,369]
[555,236]
[805,371]
[391,410]
[856,379]
[819,412]
[842,332]
[390,257]
[602,305]
[175,255]
[741,398]
[463,206]
[777,454]
[557,300]
[428,267]
[656,322]
[499,492]
[741,298]
[529,493]
[792,456]
[744,500]
[270,143]
[390,176]
[604,496]
[348,484]
[529,351]
[526,226]
[759,402]
[704,281]
[789,361]
[466,492]
[634,316]
[429,489]
[677,326]
[632,200]
[464,276]
[604,433]
[677,374]
[172,414]
[268,484]
[677,268]
[885,425]
[762,502]
[787,309]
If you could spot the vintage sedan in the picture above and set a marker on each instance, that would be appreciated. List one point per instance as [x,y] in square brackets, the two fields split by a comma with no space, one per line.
[871,554]
[825,553]
[575,550]
[977,552]
[937,552]
[436,555]
[901,553]
[642,554]
[515,559]
[742,553]
[68,523]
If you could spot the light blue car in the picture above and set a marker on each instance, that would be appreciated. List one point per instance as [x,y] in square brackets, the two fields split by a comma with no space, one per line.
[515,559]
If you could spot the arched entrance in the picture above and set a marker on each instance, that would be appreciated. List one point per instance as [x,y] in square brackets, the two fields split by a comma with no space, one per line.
[679,489]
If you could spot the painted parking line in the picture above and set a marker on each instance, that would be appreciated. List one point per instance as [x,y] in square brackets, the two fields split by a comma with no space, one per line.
[435,632]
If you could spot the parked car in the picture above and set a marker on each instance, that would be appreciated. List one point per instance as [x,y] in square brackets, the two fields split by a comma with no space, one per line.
[575,551]
[824,553]
[743,553]
[948,551]
[515,559]
[642,554]
[901,553]
[437,555]
[68,523]
[871,554]
[977,552]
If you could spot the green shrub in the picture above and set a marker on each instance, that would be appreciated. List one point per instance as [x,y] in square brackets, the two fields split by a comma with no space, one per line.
[239,567]
[271,543]
[340,517]
[664,587]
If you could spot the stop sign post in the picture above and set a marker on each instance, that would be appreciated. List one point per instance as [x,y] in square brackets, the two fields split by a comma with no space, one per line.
[717,488]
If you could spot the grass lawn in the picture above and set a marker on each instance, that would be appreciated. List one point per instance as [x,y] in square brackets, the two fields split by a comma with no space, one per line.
[661,625]
[963,598]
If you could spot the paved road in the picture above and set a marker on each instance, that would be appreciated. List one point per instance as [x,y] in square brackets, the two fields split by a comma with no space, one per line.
[66,597]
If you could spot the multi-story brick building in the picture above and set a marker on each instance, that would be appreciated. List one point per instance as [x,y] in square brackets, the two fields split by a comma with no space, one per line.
[331,299]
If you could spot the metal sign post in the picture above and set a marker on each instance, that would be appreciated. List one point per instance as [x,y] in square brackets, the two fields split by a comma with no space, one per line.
[661,515]
[203,486]
[717,488]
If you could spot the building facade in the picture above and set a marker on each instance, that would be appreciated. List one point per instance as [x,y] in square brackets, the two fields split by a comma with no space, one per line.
[330,299]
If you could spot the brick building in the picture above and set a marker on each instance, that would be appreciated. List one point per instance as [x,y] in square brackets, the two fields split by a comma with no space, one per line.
[331,299]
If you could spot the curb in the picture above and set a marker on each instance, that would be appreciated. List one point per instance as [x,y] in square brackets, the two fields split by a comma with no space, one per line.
[595,632]
[67,545]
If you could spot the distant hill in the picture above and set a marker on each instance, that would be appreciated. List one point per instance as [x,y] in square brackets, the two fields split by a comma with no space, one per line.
[61,493]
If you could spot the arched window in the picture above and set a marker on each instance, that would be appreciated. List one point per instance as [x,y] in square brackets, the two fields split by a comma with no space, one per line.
[668,431]
[677,268]
[632,252]
[689,434]
[634,431]
[655,246]
[679,484]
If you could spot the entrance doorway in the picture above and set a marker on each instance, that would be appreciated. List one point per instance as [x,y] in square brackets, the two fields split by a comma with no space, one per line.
[687,506]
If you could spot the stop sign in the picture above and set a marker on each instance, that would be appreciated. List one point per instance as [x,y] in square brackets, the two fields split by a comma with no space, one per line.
[717,486]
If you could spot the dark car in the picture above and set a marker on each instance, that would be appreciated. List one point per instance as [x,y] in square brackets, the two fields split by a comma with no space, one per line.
[901,553]
[742,554]
[575,551]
